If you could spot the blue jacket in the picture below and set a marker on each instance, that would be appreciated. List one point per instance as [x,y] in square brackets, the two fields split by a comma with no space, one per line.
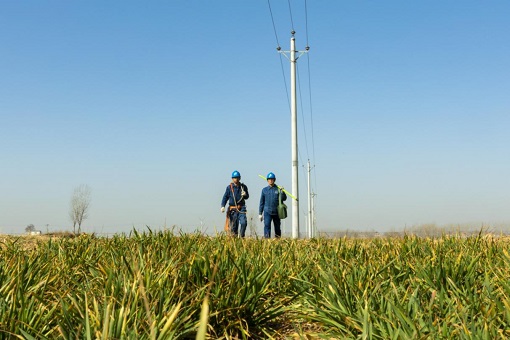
[269,200]
[229,196]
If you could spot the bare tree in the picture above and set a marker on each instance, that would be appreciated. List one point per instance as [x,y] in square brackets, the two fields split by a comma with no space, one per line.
[80,202]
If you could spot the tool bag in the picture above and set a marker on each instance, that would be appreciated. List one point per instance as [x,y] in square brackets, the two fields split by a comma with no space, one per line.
[282,208]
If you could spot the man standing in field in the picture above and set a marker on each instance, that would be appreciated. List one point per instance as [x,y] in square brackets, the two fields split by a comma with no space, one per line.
[269,206]
[236,194]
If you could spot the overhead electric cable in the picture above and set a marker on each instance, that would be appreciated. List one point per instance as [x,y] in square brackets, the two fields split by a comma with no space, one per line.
[274,27]
[297,158]
[311,121]
[278,48]
[310,90]
[291,19]
[306,23]
[285,81]
[311,106]
[302,115]
[314,202]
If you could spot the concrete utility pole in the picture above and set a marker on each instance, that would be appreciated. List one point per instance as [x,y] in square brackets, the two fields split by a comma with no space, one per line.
[310,221]
[294,142]
[314,226]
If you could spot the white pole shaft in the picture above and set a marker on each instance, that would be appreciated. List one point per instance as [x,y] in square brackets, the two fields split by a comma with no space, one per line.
[314,230]
[310,231]
[293,119]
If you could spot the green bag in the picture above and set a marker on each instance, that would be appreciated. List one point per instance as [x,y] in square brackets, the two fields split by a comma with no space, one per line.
[282,208]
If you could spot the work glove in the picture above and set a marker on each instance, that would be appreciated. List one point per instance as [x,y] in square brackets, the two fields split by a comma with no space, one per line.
[261,218]
[222,209]
[243,193]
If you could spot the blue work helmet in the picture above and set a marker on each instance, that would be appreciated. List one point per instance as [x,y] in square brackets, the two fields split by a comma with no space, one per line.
[270,176]
[236,174]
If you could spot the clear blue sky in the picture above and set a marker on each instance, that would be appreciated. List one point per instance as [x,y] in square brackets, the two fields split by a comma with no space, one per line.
[153,105]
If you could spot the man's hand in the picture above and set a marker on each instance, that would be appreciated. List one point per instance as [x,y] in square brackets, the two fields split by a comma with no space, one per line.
[261,218]
[222,209]
[243,193]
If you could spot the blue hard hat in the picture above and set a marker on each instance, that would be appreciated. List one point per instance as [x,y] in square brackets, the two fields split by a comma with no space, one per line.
[236,174]
[270,176]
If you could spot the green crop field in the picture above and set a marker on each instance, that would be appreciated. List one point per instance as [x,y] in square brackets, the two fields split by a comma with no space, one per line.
[166,286]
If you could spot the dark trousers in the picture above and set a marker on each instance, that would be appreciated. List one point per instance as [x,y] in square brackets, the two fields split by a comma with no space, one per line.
[238,218]
[267,225]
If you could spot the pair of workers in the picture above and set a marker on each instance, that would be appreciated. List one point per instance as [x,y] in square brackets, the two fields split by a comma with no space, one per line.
[236,195]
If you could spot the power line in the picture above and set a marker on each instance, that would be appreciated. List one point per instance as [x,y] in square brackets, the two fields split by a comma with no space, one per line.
[311,106]
[310,91]
[291,19]
[302,115]
[278,48]
[285,81]
[306,24]
[298,78]
[274,27]
[311,118]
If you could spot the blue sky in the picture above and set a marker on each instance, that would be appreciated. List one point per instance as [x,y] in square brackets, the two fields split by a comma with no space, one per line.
[153,105]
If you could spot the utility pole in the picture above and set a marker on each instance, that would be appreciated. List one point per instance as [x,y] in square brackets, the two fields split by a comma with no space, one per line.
[310,223]
[314,227]
[294,141]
